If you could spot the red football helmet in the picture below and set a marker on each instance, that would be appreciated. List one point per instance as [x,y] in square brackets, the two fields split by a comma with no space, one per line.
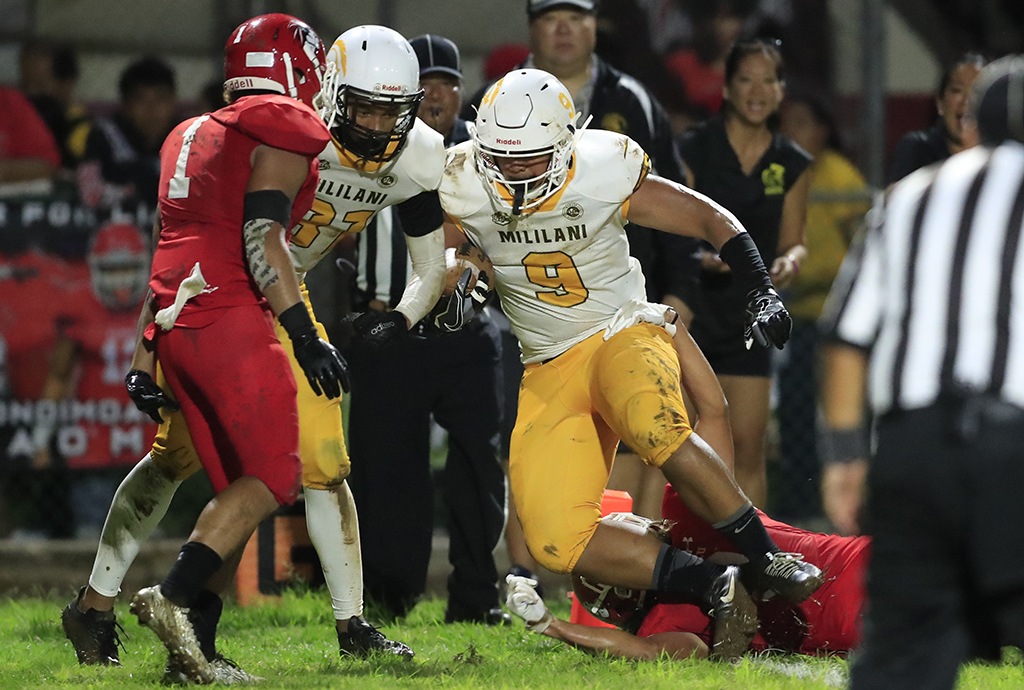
[623,607]
[275,52]
[119,265]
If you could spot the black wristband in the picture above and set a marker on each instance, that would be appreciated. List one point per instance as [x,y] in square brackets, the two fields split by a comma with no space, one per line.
[840,446]
[272,204]
[296,321]
[748,270]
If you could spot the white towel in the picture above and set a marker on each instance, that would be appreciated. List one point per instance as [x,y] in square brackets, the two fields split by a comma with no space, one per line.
[638,311]
[189,288]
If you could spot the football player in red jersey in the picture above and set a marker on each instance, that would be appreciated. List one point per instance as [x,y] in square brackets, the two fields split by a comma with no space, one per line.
[103,432]
[374,70]
[232,183]
[827,623]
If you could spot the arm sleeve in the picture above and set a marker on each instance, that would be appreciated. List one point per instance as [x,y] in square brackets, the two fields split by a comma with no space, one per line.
[421,214]
[426,253]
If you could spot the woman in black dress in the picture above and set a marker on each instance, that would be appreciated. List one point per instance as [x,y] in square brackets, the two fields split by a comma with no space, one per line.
[740,161]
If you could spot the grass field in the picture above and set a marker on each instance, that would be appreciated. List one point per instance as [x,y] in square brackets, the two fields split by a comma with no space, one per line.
[292,645]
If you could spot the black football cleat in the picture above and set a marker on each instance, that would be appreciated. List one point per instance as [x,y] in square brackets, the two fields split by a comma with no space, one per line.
[362,640]
[93,634]
[785,574]
[733,614]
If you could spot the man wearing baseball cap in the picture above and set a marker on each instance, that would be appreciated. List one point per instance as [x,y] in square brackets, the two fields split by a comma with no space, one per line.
[537,7]
[441,81]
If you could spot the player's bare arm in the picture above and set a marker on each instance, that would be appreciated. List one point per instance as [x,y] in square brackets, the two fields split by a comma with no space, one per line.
[142,389]
[266,249]
[618,643]
[671,207]
[275,179]
[792,232]
[705,393]
[843,404]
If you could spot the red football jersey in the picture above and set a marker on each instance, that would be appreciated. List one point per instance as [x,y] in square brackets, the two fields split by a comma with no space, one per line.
[204,169]
[34,287]
[829,621]
[102,427]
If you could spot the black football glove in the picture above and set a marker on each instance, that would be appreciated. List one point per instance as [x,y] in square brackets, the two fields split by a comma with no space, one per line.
[457,310]
[147,396]
[325,369]
[767,321]
[378,328]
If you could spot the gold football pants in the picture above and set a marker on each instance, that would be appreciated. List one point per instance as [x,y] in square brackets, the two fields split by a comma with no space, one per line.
[573,410]
[325,461]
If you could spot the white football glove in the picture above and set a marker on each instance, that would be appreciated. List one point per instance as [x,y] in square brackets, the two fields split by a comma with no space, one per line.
[523,601]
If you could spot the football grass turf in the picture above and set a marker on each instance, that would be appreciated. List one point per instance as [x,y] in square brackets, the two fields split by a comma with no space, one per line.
[292,644]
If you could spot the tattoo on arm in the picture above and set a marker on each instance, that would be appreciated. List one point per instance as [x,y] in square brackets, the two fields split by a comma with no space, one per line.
[255,233]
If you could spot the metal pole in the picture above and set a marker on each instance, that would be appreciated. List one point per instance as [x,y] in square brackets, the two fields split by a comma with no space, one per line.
[874,88]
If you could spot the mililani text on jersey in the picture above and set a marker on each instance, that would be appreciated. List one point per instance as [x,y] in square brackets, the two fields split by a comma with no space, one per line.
[541,235]
[347,191]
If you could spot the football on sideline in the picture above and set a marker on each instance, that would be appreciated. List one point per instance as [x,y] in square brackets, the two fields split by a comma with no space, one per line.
[470,256]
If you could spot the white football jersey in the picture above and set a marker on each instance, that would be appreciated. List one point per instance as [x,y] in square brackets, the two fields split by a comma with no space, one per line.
[562,270]
[347,196]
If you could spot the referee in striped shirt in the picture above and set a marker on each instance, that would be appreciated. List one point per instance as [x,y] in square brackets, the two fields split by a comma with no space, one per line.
[928,318]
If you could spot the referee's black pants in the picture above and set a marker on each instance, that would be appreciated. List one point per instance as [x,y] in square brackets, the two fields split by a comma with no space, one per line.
[946,578]
[395,390]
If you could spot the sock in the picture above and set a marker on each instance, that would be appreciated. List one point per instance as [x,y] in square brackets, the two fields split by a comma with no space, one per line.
[745,529]
[137,508]
[333,526]
[196,564]
[205,615]
[680,572]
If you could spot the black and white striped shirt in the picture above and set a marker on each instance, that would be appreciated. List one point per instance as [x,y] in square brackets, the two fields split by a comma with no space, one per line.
[936,289]
[383,261]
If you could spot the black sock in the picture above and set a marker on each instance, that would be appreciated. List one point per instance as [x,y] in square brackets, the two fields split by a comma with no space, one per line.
[196,564]
[204,616]
[680,572]
[745,529]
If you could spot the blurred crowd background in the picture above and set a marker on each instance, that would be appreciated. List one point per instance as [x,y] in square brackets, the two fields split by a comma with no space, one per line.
[88,91]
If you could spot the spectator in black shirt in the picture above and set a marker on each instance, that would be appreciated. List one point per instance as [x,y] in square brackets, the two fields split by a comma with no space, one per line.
[950,133]
[121,165]
[49,74]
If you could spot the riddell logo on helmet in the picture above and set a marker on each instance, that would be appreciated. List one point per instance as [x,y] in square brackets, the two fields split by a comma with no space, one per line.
[509,142]
[238,84]
[390,88]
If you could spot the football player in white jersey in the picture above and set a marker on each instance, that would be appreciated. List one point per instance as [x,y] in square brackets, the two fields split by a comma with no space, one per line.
[547,200]
[381,155]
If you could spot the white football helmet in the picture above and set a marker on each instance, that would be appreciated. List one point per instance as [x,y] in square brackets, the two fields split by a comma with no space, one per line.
[527,113]
[370,66]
